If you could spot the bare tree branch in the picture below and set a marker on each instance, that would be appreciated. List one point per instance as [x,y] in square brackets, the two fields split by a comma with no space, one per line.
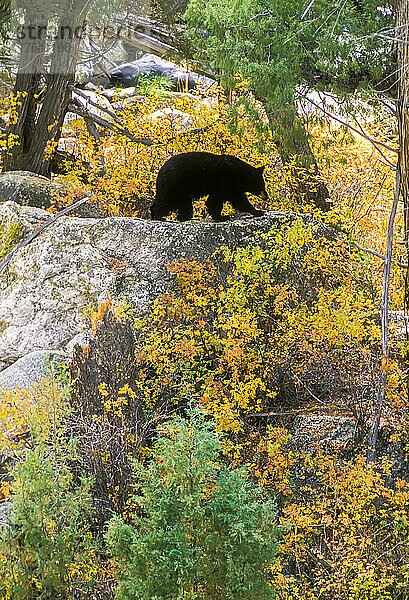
[103,109]
[93,131]
[86,114]
[40,229]
[119,126]
[375,143]
[378,255]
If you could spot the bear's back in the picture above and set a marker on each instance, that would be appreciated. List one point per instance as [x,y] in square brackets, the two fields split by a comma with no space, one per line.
[192,162]
[197,174]
[197,164]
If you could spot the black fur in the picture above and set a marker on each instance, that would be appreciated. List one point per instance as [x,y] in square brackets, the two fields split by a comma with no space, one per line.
[221,177]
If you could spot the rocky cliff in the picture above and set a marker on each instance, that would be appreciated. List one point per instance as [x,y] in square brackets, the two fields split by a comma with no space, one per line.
[49,284]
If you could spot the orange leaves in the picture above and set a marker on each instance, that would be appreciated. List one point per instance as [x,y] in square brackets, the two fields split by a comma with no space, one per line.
[97,318]
[194,277]
[273,469]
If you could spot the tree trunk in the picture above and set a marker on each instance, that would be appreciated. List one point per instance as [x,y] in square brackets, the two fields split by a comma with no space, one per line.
[26,87]
[402,59]
[402,37]
[57,95]
[294,149]
[39,133]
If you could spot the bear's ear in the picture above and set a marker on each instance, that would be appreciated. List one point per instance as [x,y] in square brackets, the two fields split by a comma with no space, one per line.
[261,169]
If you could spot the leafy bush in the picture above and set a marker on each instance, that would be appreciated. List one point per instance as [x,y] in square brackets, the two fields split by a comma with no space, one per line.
[200,529]
[291,323]
[47,550]
[147,85]
[10,235]
[347,534]
[279,328]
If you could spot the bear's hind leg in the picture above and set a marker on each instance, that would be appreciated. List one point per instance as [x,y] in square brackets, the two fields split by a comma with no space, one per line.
[157,214]
[242,203]
[166,194]
[185,211]
[214,206]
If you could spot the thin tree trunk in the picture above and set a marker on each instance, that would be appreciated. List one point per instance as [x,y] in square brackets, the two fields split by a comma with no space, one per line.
[294,149]
[402,59]
[94,133]
[383,377]
[402,36]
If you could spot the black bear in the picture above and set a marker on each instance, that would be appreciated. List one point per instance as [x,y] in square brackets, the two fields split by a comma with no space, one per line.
[221,177]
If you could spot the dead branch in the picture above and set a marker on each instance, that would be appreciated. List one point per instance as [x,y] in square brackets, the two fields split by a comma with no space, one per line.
[76,107]
[121,128]
[146,42]
[128,31]
[367,137]
[378,255]
[103,109]
[192,131]
[93,131]
[300,411]
[40,229]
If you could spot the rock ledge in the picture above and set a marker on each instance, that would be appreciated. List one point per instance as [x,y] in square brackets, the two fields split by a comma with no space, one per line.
[50,283]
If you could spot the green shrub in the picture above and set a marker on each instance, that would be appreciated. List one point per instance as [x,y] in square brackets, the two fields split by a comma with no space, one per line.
[200,530]
[148,86]
[46,550]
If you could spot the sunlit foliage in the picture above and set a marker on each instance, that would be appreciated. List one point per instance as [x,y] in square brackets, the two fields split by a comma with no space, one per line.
[240,344]
[347,532]
[287,327]
[46,549]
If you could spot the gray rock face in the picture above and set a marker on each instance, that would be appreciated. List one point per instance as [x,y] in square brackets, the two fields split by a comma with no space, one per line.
[311,430]
[28,189]
[30,369]
[152,66]
[6,507]
[50,283]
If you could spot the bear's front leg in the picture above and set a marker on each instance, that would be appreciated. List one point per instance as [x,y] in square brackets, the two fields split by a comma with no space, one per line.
[214,205]
[242,203]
